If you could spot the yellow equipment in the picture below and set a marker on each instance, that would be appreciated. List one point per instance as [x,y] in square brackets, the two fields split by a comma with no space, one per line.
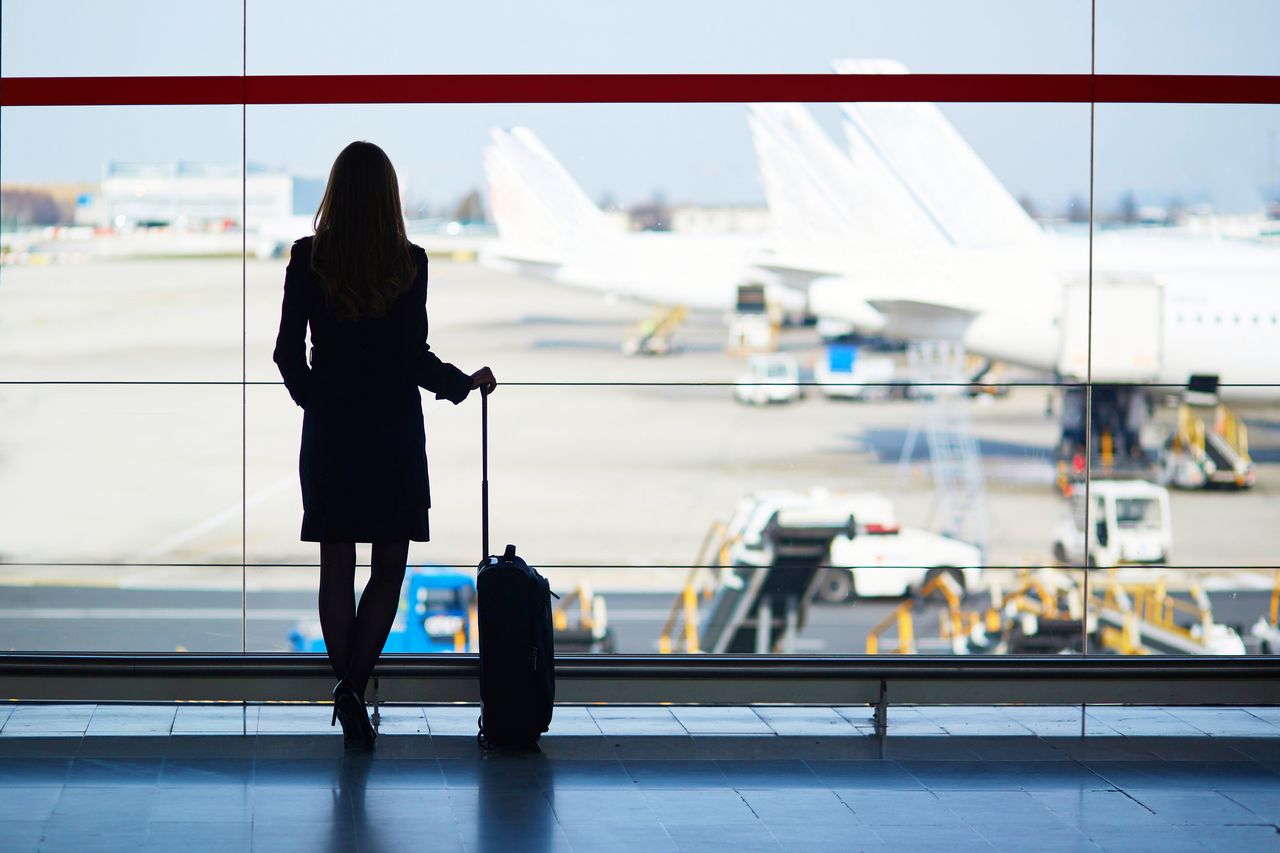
[954,624]
[589,632]
[700,584]
[653,336]
[1210,445]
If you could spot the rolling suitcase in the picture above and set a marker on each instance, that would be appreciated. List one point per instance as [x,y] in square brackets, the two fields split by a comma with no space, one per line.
[517,661]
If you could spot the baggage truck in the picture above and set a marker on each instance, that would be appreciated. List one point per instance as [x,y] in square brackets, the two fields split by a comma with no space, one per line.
[845,371]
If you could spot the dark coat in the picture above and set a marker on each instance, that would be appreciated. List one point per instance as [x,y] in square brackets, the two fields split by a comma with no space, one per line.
[363,461]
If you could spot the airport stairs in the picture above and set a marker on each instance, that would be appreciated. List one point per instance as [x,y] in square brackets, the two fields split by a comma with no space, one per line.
[653,336]
[739,608]
[946,417]
[1209,446]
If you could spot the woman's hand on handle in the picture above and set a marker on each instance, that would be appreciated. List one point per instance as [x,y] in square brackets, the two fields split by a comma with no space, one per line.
[484,380]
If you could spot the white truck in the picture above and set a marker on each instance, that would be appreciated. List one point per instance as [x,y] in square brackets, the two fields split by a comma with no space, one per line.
[872,556]
[772,378]
[887,560]
[1131,524]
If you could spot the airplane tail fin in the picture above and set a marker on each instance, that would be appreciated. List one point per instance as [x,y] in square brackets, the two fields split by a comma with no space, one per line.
[540,211]
[817,196]
[933,161]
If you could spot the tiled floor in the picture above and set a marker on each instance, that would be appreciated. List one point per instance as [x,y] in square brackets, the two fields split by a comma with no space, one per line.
[192,778]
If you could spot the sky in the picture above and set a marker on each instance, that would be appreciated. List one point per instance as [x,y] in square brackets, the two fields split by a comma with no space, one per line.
[692,153]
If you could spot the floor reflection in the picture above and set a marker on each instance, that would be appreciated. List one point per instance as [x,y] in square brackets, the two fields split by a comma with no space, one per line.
[499,801]
[513,804]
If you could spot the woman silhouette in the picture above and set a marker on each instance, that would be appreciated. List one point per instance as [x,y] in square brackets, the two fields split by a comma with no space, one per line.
[362,287]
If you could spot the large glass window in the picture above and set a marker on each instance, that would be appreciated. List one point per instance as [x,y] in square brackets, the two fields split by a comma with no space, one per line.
[1184,272]
[578,36]
[824,378]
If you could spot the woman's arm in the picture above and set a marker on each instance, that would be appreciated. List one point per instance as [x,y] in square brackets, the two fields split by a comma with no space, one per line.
[448,382]
[291,343]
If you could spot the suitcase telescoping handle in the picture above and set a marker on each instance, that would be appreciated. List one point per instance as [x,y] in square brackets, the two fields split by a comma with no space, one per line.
[484,473]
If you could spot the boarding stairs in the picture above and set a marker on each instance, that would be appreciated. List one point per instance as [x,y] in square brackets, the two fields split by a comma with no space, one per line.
[653,336]
[944,415]
[1209,446]
[741,608]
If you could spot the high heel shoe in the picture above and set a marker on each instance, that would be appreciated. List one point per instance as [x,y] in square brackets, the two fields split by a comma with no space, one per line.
[348,708]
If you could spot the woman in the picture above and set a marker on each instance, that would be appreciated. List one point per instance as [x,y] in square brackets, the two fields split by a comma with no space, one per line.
[362,288]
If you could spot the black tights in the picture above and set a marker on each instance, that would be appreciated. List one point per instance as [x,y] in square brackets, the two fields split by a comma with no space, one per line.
[354,637]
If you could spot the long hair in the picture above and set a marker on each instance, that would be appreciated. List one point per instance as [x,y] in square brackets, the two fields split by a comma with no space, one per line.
[360,250]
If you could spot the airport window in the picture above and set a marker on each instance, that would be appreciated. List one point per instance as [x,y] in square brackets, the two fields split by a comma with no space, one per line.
[756,356]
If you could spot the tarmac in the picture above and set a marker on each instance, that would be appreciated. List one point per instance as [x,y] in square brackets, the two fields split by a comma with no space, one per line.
[131,454]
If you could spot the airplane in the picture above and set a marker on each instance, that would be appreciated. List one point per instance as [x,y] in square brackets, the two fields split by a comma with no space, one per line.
[548,228]
[1219,306]
[976,269]
[908,235]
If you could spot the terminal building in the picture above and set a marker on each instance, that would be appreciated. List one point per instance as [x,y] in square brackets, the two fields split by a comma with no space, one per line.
[200,195]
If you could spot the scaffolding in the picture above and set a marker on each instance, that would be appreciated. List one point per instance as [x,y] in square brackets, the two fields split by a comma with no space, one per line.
[944,415]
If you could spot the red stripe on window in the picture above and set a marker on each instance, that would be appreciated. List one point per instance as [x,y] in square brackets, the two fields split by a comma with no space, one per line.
[113,91]
[1186,89]
[635,88]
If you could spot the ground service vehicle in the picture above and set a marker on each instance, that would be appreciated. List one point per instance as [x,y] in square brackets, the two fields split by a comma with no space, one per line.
[435,615]
[887,560]
[1131,525]
[844,371]
[770,378]
[870,555]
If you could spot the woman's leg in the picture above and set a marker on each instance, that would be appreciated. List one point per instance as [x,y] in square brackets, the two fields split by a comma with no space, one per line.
[377,610]
[338,601]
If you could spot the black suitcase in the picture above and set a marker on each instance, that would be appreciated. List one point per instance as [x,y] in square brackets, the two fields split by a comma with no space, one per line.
[517,655]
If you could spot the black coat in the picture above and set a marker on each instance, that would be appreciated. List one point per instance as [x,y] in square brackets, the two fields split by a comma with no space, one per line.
[363,461]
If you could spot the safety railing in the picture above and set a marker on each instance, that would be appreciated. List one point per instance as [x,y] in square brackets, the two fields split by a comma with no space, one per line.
[654,679]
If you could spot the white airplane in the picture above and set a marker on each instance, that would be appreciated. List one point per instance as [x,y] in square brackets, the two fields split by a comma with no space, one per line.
[913,226]
[549,228]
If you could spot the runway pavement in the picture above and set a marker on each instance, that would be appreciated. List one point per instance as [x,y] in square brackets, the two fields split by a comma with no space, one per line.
[94,619]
